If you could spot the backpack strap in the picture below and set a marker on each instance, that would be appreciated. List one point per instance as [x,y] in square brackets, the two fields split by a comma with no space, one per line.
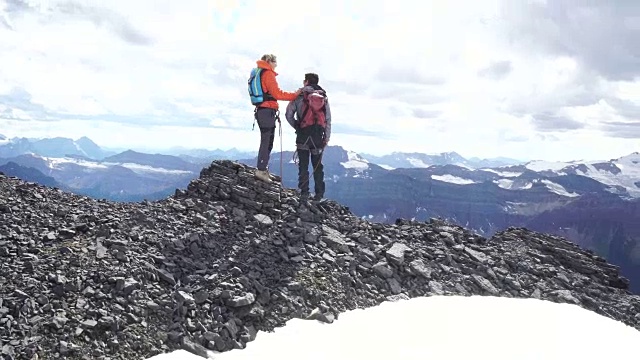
[267,96]
[305,105]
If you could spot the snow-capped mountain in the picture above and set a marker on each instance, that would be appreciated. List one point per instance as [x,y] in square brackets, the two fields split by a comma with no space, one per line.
[397,160]
[621,175]
[566,179]
[53,147]
[129,176]
[355,161]
[200,155]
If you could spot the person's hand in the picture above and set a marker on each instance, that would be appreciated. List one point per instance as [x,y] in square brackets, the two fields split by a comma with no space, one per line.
[326,142]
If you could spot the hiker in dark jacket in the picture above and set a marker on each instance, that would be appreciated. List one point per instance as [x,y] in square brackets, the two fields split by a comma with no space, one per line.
[313,132]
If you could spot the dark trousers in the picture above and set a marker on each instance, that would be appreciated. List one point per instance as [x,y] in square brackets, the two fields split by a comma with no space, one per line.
[310,143]
[266,119]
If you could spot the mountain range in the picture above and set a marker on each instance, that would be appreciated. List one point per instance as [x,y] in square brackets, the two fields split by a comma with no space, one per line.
[419,160]
[595,204]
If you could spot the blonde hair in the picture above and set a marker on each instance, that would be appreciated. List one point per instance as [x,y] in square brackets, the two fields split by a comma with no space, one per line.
[269,58]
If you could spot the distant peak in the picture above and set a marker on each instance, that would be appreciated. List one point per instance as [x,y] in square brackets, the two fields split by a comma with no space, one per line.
[86,139]
[634,156]
[130,152]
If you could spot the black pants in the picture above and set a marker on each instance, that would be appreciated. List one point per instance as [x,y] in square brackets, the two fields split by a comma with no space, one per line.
[310,143]
[266,119]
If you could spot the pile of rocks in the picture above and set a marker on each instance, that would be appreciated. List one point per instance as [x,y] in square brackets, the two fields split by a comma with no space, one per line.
[230,256]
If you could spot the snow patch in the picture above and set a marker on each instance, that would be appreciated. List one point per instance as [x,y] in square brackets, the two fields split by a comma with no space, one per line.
[513,185]
[386,167]
[504,183]
[526,186]
[452,179]
[553,187]
[419,163]
[629,174]
[503,173]
[360,175]
[479,321]
[558,189]
[464,166]
[541,165]
[150,169]
[355,162]
[56,163]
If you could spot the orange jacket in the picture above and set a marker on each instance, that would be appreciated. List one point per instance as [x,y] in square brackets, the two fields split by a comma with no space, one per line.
[270,85]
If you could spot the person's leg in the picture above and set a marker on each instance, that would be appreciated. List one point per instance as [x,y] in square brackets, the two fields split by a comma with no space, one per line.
[267,135]
[303,172]
[267,123]
[318,173]
[316,142]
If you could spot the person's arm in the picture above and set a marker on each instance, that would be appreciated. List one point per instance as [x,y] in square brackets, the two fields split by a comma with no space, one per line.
[290,113]
[271,84]
[327,130]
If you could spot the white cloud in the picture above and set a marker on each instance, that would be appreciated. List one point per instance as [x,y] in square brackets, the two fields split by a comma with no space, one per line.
[427,76]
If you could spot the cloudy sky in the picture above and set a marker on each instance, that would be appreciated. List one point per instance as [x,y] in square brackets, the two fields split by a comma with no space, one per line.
[552,80]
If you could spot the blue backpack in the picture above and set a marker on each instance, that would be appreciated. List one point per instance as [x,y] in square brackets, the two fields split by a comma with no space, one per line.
[255,88]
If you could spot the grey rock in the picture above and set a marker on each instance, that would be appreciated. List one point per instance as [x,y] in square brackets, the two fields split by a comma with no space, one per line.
[476,255]
[436,288]
[263,219]
[396,253]
[485,284]
[101,251]
[89,324]
[395,286]
[201,296]
[383,270]
[398,297]
[317,314]
[244,300]
[565,296]
[184,297]
[447,238]
[335,239]
[419,268]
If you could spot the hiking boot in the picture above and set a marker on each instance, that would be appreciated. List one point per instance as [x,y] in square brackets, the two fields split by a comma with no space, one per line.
[304,197]
[263,175]
[317,197]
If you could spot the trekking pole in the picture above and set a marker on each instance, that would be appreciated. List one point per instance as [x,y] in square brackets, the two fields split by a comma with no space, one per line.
[281,166]
[281,171]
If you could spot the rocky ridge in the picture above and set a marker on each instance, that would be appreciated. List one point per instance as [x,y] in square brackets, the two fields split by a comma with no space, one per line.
[229,256]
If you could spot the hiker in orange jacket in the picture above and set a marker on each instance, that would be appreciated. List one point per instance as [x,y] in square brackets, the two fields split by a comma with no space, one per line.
[267,112]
